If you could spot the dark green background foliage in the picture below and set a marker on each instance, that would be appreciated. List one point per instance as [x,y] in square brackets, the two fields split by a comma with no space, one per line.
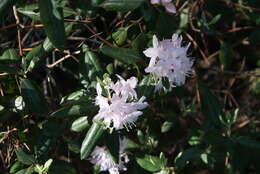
[53,51]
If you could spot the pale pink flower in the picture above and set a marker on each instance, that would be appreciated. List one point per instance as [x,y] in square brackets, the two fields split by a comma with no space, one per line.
[169,59]
[167,4]
[125,88]
[102,158]
[123,108]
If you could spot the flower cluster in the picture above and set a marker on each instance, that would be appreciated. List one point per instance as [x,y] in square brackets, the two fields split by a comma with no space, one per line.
[167,4]
[122,108]
[169,59]
[101,157]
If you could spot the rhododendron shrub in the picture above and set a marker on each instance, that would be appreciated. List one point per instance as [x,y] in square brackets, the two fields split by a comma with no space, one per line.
[129,86]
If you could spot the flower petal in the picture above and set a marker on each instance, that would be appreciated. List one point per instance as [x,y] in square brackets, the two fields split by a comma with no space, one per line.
[155,1]
[169,7]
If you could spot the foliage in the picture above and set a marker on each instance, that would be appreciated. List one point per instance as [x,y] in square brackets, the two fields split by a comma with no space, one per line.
[54,52]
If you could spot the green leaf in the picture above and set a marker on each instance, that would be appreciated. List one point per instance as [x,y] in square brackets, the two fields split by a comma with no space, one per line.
[89,142]
[29,170]
[30,10]
[52,18]
[7,69]
[24,157]
[32,97]
[150,163]
[90,66]
[78,108]
[255,82]
[210,105]
[167,125]
[215,19]
[226,55]
[126,55]
[120,36]
[248,142]
[47,165]
[194,140]
[74,96]
[96,2]
[5,6]
[16,166]
[92,59]
[36,54]
[184,157]
[9,61]
[73,146]
[9,54]
[80,124]
[184,18]
[139,43]
[121,5]
[145,86]
[110,68]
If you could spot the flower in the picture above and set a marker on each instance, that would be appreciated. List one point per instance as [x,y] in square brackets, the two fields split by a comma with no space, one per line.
[167,4]
[169,59]
[122,109]
[125,88]
[102,158]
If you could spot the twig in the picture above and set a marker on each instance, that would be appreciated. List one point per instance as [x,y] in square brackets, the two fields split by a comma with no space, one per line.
[245,7]
[213,55]
[63,58]
[18,30]
[197,46]
[8,26]
[72,56]
[27,49]
[183,6]
[99,37]
[1,90]
[3,74]
[34,26]
[240,28]
[241,125]
[190,17]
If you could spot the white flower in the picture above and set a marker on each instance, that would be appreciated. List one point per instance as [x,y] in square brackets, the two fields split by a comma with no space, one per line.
[169,59]
[119,111]
[125,88]
[102,158]
[167,4]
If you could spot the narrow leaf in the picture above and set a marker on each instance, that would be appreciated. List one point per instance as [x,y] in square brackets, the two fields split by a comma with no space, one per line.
[52,18]
[33,97]
[150,163]
[121,5]
[226,55]
[93,135]
[210,105]
[126,55]
[80,124]
[5,6]
[24,157]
